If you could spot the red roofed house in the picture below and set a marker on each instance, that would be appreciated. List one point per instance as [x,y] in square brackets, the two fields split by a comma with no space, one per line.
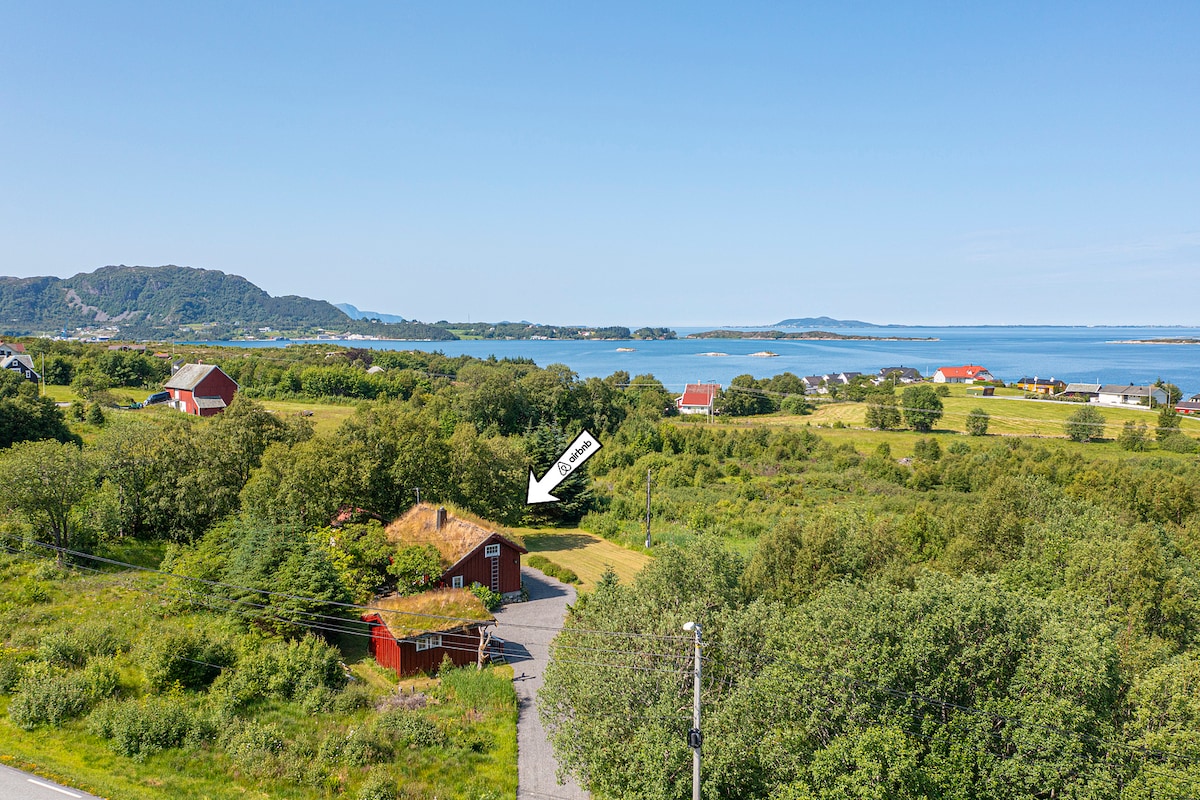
[471,552]
[1189,406]
[413,633]
[200,389]
[970,373]
[698,398]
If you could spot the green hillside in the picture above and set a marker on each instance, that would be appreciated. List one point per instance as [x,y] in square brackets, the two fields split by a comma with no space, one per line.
[172,302]
[147,300]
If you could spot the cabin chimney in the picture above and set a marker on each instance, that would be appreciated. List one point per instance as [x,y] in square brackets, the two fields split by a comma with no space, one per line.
[441,517]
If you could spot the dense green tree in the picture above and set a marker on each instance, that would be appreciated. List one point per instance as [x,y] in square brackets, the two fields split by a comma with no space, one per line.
[977,422]
[488,475]
[25,416]
[1084,425]
[286,573]
[414,567]
[744,397]
[48,480]
[921,406]
[1168,422]
[1133,437]
[544,446]
[882,412]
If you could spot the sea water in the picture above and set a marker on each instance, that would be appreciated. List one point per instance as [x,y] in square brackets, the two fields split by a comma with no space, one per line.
[1071,354]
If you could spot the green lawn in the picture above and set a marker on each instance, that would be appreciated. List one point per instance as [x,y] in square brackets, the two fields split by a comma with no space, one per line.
[585,554]
[325,417]
[1010,413]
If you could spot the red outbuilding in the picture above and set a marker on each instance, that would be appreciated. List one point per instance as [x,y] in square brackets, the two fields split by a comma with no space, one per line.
[472,551]
[415,633]
[200,389]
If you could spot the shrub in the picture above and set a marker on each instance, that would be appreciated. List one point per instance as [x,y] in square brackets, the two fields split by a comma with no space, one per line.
[183,658]
[1084,425]
[74,648]
[1178,443]
[137,729]
[491,600]
[548,567]
[1134,437]
[253,747]
[977,422]
[12,663]
[49,695]
[378,786]
[795,404]
[284,670]
[406,728]
[927,450]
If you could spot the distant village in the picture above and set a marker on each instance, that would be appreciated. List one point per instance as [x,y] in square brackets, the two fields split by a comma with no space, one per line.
[701,398]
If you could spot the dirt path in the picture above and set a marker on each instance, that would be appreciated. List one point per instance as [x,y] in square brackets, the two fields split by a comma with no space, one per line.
[527,650]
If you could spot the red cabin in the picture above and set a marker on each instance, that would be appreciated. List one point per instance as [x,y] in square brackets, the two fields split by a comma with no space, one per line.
[472,552]
[200,389]
[415,633]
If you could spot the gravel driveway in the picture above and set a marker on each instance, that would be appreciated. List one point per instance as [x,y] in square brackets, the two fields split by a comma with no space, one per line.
[526,649]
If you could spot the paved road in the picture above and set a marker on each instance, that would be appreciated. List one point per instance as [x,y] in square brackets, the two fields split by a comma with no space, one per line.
[526,650]
[18,785]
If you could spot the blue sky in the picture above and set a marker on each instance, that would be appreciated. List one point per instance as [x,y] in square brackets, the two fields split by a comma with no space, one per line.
[619,163]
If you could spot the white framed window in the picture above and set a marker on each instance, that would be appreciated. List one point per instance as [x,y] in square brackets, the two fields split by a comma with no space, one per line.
[491,551]
[429,641]
[456,582]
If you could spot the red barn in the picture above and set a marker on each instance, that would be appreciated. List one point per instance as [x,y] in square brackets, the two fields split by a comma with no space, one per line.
[415,633]
[200,389]
[471,551]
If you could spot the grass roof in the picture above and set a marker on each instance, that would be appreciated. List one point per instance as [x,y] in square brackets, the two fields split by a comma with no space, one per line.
[430,612]
[461,533]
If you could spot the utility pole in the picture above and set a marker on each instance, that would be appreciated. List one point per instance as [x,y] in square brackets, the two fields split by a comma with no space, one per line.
[647,508]
[417,489]
[694,738]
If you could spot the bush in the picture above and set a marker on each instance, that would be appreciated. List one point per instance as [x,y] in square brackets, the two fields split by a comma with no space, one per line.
[977,422]
[12,663]
[1084,425]
[406,728]
[74,648]
[1178,443]
[49,695]
[183,658]
[491,600]
[927,450]
[284,670]
[137,729]
[795,404]
[253,748]
[548,567]
[378,786]
[1134,437]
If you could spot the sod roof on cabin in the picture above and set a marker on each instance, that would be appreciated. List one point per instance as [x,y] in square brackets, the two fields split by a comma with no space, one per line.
[457,537]
[430,612]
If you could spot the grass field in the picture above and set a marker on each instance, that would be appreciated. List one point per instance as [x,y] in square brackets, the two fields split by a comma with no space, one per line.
[325,417]
[1010,413]
[586,554]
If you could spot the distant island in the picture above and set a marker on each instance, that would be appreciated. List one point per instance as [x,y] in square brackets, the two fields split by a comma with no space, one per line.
[808,335]
[1164,340]
[187,303]
[823,322]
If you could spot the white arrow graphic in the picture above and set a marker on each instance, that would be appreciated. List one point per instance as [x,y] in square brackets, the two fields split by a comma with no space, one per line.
[577,452]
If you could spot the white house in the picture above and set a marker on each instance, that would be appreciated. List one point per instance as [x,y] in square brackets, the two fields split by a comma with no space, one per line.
[698,398]
[1112,394]
[969,373]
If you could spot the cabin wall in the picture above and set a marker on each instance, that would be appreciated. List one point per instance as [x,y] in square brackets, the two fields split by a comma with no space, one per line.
[478,569]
